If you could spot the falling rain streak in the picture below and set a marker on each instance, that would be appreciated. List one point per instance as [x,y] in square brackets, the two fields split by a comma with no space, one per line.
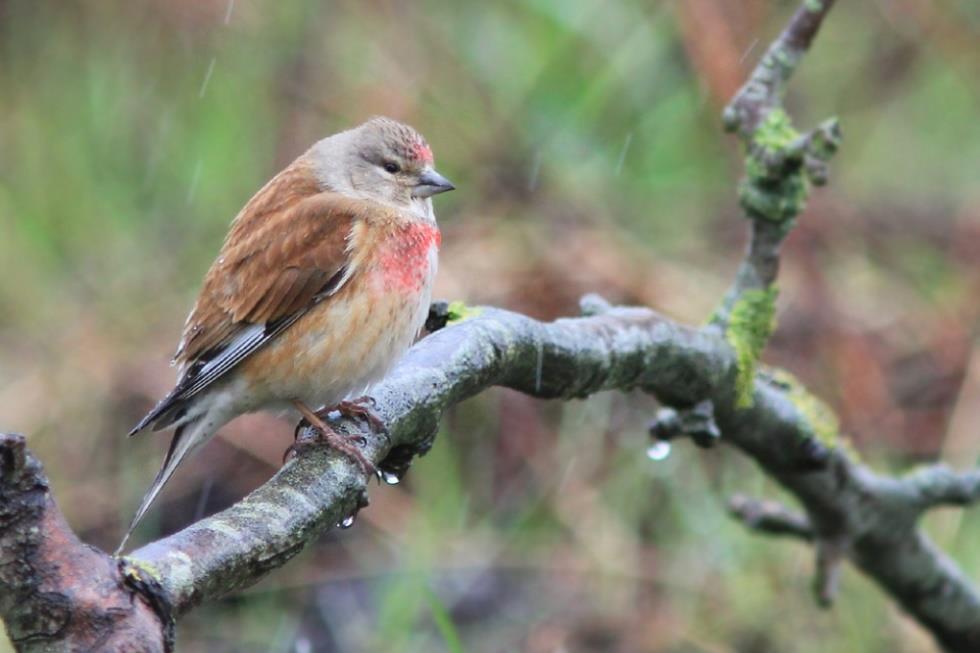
[195,178]
[622,153]
[202,501]
[748,51]
[539,367]
[532,181]
[207,79]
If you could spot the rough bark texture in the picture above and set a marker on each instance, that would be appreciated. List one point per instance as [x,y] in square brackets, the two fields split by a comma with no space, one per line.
[58,594]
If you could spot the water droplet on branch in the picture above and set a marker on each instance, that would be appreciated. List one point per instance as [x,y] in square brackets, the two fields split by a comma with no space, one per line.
[659,450]
[347,522]
[391,478]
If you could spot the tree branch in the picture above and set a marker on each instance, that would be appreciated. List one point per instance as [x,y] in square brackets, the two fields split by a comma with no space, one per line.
[779,161]
[621,348]
[770,518]
[57,593]
[766,84]
[939,485]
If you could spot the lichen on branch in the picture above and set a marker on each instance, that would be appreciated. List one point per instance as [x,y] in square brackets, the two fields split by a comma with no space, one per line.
[818,418]
[775,187]
[752,321]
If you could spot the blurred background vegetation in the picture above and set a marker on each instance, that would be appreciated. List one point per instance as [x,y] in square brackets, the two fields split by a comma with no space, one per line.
[584,139]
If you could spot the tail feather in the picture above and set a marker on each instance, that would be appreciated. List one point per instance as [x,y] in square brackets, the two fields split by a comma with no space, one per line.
[166,412]
[187,437]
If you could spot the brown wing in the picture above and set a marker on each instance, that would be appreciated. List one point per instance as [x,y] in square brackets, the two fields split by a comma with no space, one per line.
[280,258]
[274,270]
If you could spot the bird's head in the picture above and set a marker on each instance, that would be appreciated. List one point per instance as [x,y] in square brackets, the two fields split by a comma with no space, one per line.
[383,160]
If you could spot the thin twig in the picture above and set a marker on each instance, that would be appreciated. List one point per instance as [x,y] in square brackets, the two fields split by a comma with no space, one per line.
[770,518]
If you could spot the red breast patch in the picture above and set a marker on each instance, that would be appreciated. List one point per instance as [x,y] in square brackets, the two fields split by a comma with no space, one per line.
[405,256]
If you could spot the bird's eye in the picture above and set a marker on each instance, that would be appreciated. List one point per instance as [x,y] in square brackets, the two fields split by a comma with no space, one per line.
[391,167]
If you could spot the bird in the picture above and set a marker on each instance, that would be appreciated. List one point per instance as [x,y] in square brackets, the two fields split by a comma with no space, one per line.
[323,281]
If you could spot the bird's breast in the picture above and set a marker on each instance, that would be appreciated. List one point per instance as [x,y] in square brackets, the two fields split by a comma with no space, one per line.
[351,339]
[406,258]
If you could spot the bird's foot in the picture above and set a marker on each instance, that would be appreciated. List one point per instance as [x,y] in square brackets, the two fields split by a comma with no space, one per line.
[361,407]
[323,434]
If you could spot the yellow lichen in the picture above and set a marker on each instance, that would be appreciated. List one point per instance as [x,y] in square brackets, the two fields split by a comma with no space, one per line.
[819,419]
[752,321]
[459,311]
[135,569]
[773,189]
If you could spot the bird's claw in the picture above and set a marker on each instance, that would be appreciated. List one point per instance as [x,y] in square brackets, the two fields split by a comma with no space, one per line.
[306,438]
[363,408]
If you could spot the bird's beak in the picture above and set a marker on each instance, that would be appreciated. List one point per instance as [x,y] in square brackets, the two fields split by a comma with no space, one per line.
[431,183]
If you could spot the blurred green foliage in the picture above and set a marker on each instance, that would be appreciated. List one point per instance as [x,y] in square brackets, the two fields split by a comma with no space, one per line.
[585,141]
